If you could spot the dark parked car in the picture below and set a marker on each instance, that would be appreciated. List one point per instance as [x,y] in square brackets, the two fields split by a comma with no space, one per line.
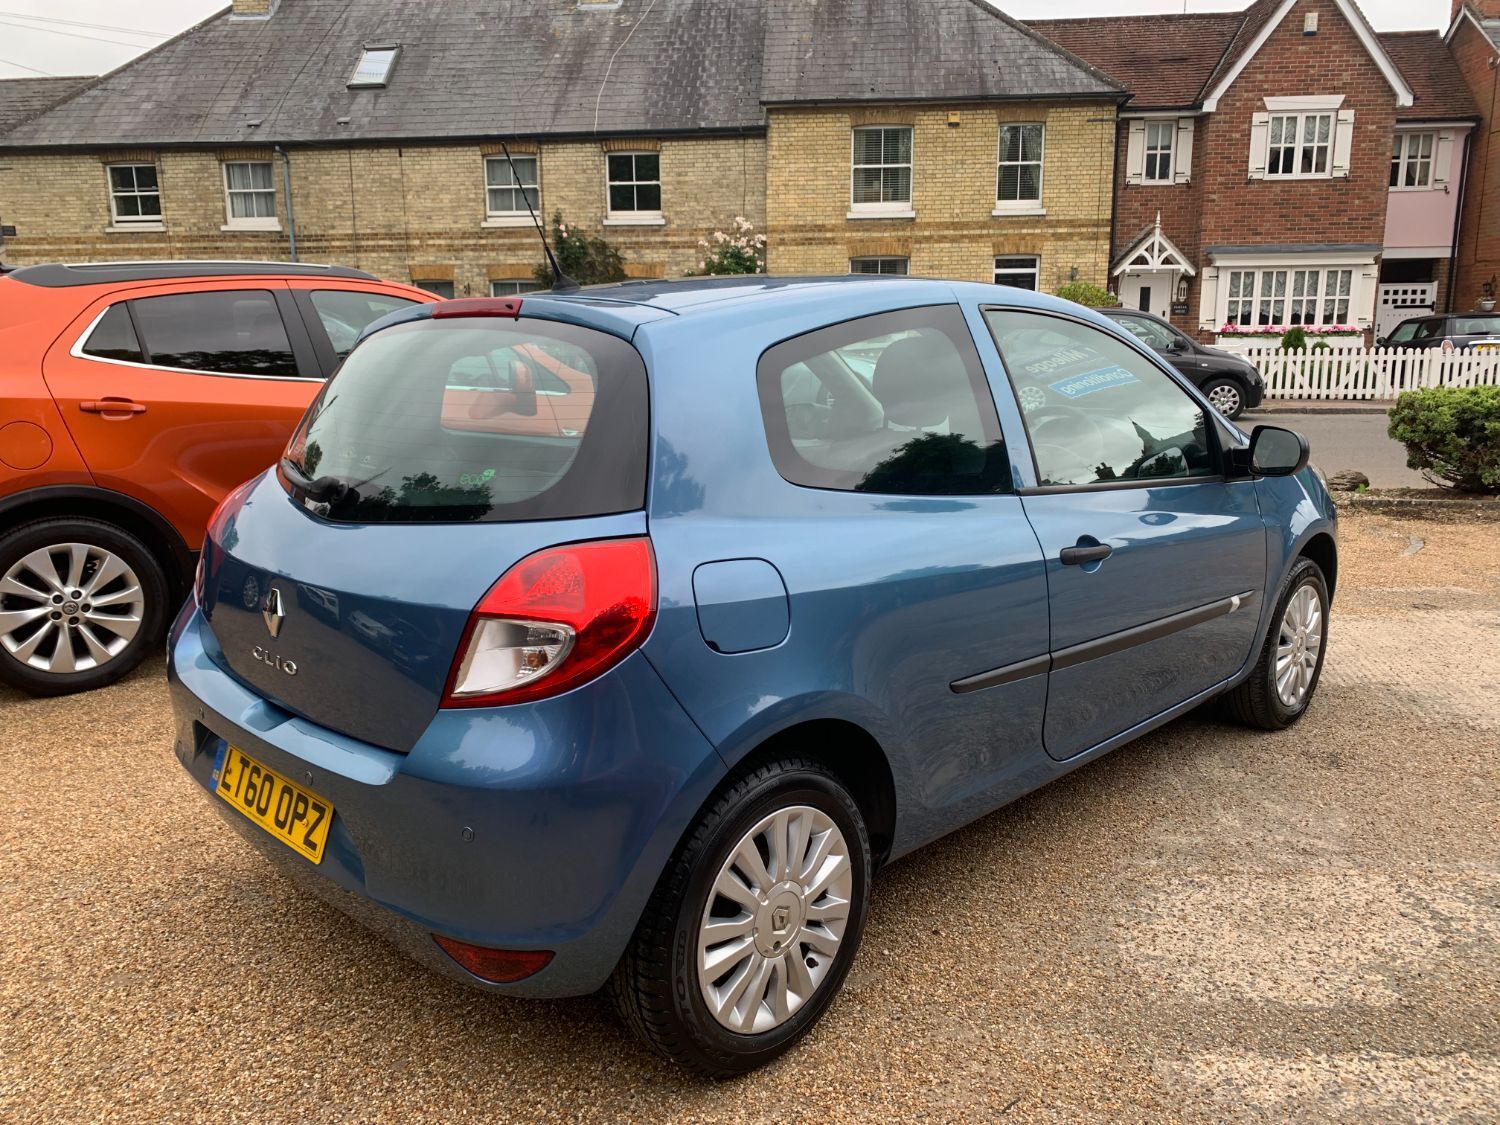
[1232,384]
[1458,332]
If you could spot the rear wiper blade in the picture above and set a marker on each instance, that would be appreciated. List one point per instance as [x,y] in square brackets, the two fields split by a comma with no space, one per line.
[323,490]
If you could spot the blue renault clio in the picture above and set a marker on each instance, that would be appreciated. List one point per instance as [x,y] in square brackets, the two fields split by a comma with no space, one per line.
[616,638]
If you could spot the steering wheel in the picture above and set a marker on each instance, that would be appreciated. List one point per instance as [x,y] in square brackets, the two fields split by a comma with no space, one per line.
[1068,432]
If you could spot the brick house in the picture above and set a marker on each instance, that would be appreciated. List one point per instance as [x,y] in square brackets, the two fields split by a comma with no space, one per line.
[1474,40]
[938,136]
[1282,165]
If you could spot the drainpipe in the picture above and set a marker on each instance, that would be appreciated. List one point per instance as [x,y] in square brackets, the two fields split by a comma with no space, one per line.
[1458,220]
[291,211]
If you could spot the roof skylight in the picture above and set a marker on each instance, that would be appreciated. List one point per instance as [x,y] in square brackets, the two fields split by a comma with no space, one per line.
[375,63]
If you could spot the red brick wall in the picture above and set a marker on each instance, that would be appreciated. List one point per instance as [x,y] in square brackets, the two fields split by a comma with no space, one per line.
[1479,225]
[1223,206]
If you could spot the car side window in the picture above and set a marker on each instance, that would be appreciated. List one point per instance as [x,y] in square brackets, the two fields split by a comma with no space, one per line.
[345,313]
[895,403]
[1147,331]
[1095,409]
[114,337]
[1404,332]
[1428,329]
[230,332]
[1475,326]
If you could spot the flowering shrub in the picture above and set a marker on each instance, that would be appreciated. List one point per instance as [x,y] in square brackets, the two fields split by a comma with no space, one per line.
[587,259]
[739,251]
[1283,329]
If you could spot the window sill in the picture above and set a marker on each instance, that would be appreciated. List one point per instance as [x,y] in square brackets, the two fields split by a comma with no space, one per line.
[273,225]
[640,219]
[1004,212]
[134,228]
[907,213]
[500,222]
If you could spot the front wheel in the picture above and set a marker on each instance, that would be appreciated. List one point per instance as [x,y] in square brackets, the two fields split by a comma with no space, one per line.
[1226,396]
[82,602]
[753,925]
[1286,673]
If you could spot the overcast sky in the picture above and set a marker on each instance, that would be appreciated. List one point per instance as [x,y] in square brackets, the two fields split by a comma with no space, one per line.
[64,36]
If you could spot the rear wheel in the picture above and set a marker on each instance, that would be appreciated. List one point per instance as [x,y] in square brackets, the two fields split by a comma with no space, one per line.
[1286,674]
[81,603]
[753,925]
[1226,396]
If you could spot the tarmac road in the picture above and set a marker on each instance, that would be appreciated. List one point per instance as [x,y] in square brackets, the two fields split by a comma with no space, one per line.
[1208,925]
[1342,441]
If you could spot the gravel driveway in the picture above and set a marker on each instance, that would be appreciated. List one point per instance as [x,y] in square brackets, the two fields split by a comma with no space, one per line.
[1207,925]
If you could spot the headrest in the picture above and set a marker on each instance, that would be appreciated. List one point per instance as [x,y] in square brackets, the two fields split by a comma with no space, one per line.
[917,378]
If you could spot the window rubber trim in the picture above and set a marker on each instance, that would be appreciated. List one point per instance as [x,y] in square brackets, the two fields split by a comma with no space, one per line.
[1107,645]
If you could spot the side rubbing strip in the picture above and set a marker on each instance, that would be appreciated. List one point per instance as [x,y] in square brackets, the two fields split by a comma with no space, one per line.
[1151,631]
[1103,646]
[1009,674]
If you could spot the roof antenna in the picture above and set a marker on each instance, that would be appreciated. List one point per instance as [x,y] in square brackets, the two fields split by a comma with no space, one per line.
[561,282]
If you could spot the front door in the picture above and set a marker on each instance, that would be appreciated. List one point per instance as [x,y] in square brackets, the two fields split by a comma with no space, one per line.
[1155,564]
[1149,292]
[178,396]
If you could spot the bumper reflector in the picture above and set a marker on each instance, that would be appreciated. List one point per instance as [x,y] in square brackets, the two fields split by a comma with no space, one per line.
[499,966]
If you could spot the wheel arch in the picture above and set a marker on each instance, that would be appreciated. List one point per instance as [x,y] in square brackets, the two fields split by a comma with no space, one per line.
[1321,549]
[91,502]
[853,755]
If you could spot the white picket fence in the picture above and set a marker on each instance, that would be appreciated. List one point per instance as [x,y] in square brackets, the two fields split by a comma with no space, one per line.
[1369,373]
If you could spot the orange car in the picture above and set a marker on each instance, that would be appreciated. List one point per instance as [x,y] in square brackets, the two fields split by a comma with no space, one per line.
[135,396]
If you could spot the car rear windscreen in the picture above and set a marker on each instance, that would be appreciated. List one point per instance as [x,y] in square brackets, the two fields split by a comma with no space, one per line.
[476,419]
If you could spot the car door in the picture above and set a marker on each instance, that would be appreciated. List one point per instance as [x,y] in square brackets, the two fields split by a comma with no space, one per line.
[175,395]
[1155,562]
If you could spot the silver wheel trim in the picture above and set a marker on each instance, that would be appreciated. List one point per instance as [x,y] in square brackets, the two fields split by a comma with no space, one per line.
[1225,399]
[1297,646]
[69,607]
[774,920]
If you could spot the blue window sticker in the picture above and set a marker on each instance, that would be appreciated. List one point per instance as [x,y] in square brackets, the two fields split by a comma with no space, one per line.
[1076,386]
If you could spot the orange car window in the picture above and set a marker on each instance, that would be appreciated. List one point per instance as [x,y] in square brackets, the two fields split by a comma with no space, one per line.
[226,332]
[114,337]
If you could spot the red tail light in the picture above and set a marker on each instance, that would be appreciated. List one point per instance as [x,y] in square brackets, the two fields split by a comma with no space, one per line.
[477,306]
[555,620]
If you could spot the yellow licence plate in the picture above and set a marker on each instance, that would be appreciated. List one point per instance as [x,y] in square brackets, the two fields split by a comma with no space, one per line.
[294,816]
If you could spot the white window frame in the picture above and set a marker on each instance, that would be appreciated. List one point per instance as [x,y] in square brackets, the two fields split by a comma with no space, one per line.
[614,218]
[1403,162]
[1016,270]
[880,260]
[1020,206]
[257,222]
[521,218]
[1300,145]
[134,222]
[1166,172]
[891,209]
[503,286]
[1277,296]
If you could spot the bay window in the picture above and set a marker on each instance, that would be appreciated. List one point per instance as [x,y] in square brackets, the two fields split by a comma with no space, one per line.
[1281,298]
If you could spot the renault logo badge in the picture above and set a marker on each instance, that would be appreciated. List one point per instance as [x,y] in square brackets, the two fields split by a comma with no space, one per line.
[272,612]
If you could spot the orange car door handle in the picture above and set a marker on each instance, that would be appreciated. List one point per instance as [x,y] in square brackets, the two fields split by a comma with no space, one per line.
[108,406]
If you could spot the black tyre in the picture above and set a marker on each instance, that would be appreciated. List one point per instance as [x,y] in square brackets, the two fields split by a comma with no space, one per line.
[1226,395]
[81,603]
[725,982]
[1285,675]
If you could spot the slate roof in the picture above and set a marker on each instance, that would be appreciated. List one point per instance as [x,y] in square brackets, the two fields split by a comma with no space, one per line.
[1433,75]
[21,98]
[1164,61]
[467,68]
[521,68]
[884,50]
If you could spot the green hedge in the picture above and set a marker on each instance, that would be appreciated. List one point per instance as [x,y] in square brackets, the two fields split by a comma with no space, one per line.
[1085,294]
[1453,434]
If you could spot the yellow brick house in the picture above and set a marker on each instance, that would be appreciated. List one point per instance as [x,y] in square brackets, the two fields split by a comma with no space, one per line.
[931,135]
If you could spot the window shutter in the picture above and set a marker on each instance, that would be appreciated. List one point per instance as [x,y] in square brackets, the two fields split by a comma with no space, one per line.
[1182,159]
[1442,160]
[1343,142]
[1135,153]
[1260,142]
[1208,300]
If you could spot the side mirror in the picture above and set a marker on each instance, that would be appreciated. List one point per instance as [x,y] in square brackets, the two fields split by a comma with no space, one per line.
[1277,452]
[1174,344]
[1380,341]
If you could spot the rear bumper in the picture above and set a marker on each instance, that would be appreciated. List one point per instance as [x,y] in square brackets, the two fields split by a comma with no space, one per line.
[538,826]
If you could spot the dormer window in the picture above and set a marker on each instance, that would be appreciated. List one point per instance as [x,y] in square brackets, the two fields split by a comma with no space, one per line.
[374,67]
